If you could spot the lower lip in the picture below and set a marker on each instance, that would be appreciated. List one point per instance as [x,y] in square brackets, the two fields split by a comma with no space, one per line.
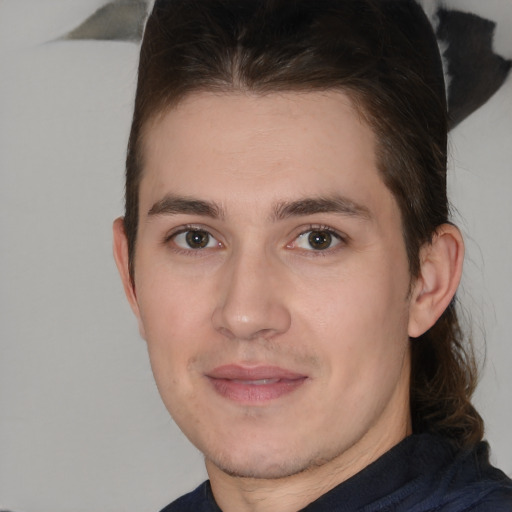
[255,392]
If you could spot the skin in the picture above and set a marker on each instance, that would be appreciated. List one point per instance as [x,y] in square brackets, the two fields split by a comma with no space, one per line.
[336,316]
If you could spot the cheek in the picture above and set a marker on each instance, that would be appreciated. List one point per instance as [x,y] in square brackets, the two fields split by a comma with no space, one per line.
[363,325]
[363,297]
[175,323]
[172,345]
[169,301]
[363,338]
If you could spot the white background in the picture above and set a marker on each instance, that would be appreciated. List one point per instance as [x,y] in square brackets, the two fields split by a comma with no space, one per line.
[82,428]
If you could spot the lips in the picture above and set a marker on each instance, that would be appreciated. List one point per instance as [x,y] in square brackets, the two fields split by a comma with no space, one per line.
[254,385]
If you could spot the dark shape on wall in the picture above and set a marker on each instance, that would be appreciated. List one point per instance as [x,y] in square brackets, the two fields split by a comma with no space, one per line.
[475,71]
[119,20]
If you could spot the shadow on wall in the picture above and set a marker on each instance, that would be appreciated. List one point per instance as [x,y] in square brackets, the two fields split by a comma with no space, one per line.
[474,72]
[120,20]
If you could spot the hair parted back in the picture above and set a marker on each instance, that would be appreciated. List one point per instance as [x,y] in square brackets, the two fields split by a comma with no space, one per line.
[383,54]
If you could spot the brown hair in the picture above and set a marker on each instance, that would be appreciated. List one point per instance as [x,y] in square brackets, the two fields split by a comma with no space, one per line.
[383,54]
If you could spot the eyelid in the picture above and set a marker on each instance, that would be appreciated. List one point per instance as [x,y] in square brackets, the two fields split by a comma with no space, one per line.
[303,230]
[184,229]
[341,237]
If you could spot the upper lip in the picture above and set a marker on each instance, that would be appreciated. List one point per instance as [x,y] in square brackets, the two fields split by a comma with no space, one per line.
[253,373]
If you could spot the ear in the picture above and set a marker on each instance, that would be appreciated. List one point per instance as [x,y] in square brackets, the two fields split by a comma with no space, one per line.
[120,247]
[440,273]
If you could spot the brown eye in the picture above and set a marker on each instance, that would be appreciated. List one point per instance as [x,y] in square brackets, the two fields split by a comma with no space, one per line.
[319,240]
[197,239]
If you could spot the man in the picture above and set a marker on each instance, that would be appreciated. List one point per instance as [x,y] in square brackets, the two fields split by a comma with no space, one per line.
[287,251]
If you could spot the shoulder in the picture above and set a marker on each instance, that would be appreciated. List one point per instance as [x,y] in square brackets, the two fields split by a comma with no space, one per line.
[499,500]
[444,478]
[199,500]
[477,486]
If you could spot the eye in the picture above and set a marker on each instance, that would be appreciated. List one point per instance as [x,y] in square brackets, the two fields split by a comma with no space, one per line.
[195,239]
[317,240]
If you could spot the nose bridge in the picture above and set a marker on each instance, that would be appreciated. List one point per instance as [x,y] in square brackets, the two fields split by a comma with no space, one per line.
[252,304]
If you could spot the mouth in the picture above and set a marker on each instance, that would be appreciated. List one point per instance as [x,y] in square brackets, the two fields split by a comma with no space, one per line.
[253,385]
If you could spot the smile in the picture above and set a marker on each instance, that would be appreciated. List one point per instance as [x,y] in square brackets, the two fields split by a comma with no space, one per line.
[254,385]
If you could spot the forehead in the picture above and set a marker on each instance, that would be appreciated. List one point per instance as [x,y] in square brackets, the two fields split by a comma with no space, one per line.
[262,148]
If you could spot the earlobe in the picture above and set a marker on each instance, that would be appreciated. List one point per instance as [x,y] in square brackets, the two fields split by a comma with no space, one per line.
[120,248]
[440,273]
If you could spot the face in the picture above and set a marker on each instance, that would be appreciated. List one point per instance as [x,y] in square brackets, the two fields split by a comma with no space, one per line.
[272,283]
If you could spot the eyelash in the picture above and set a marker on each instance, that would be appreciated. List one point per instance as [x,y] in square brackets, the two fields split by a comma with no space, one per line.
[341,238]
[185,229]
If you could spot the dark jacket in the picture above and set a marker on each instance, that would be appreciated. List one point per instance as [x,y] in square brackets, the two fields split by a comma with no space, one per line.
[423,473]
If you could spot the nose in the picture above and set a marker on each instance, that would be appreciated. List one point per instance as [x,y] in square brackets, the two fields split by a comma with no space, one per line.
[252,302]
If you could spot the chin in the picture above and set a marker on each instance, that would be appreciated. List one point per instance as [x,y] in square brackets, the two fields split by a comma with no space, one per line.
[265,465]
[264,472]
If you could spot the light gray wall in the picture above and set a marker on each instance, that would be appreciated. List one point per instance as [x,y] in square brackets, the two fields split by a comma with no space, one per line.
[480,187]
[82,428]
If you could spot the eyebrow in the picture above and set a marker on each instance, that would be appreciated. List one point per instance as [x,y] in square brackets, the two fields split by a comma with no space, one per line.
[173,205]
[309,206]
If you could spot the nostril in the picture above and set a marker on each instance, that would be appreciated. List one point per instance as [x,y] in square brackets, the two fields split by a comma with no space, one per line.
[226,332]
